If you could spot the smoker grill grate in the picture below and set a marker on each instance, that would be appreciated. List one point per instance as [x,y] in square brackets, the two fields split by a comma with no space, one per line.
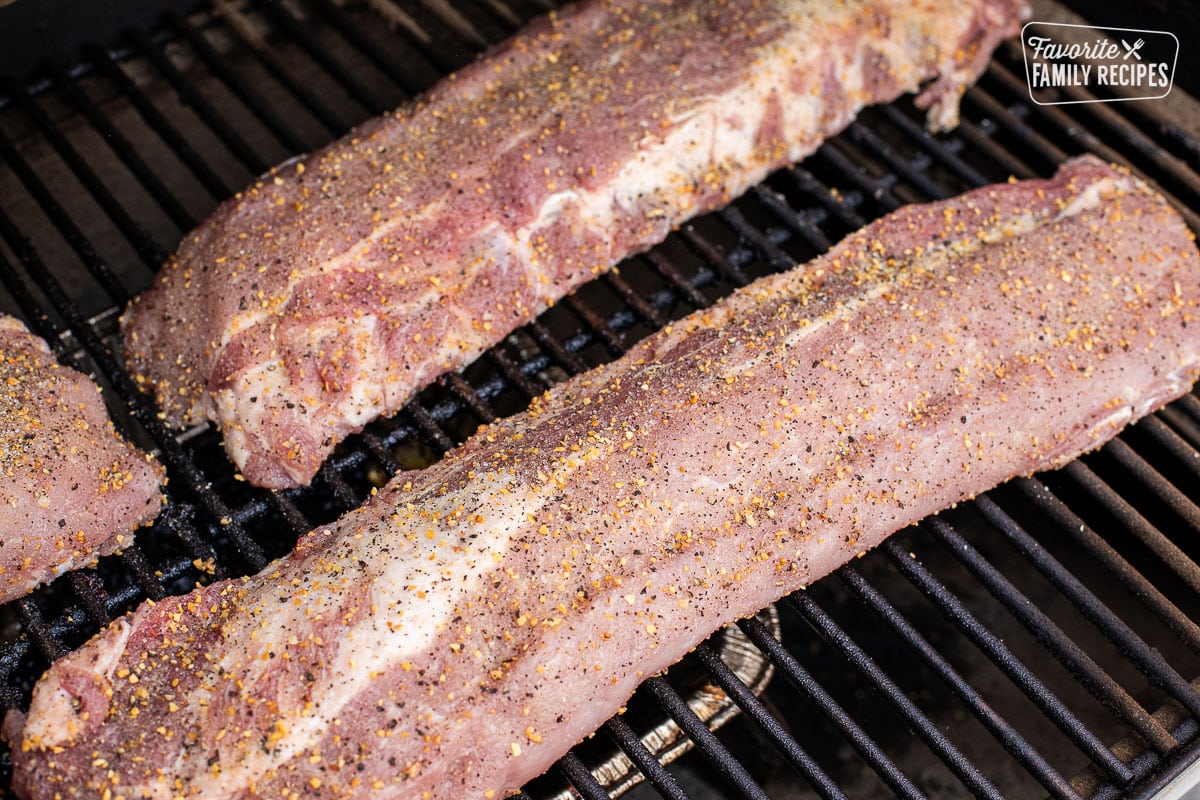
[1038,641]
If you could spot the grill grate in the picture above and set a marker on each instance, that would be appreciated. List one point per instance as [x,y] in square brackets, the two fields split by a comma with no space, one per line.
[1039,640]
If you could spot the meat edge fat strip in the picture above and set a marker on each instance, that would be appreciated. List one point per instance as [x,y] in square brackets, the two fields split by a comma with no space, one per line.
[337,286]
[458,633]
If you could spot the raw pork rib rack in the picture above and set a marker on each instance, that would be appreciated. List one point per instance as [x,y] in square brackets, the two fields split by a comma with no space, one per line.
[1038,641]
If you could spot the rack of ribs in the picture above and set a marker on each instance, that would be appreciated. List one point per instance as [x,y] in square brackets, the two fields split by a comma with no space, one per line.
[72,488]
[337,286]
[461,630]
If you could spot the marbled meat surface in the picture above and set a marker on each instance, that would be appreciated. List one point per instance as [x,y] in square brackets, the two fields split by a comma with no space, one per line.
[72,488]
[459,632]
[332,289]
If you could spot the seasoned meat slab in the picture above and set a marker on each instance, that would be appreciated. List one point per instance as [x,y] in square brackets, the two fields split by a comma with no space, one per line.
[335,287]
[72,489]
[460,631]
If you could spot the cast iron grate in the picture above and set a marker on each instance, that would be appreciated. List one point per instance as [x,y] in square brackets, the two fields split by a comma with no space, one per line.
[1039,640]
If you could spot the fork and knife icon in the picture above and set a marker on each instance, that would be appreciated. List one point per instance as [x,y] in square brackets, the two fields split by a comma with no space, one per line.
[1132,49]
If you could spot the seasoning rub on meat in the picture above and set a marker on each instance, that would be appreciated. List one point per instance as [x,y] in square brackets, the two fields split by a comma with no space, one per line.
[460,631]
[330,291]
[72,489]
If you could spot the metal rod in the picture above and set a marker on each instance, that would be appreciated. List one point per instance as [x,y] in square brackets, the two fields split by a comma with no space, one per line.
[266,57]
[757,711]
[1152,479]
[633,300]
[1008,736]
[803,681]
[655,773]
[937,148]
[512,371]
[1015,127]
[1186,429]
[878,190]
[97,266]
[863,136]
[963,768]
[1187,453]
[1070,523]
[999,653]
[49,644]
[193,99]
[154,118]
[218,64]
[125,151]
[348,78]
[148,250]
[598,327]
[567,358]
[1089,674]
[705,740]
[835,204]
[812,235]
[36,317]
[978,140]
[663,265]
[90,591]
[713,255]
[385,59]
[1167,551]
[573,769]
[180,519]
[1147,659]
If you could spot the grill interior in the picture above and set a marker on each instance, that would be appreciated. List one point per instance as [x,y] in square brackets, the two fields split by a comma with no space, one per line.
[1038,641]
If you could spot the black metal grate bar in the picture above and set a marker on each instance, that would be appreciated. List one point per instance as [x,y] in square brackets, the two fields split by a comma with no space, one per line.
[1090,674]
[946,156]
[1016,130]
[97,266]
[655,773]
[1005,733]
[706,742]
[1137,584]
[1150,536]
[194,100]
[38,320]
[1153,480]
[368,97]
[284,131]
[574,770]
[266,58]
[878,189]
[1133,646]
[385,59]
[154,118]
[971,776]
[814,692]
[999,653]
[125,150]
[1175,443]
[757,711]
[911,174]
[148,250]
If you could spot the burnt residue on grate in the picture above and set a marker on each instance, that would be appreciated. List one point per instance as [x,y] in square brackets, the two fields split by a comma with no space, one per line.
[1039,641]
